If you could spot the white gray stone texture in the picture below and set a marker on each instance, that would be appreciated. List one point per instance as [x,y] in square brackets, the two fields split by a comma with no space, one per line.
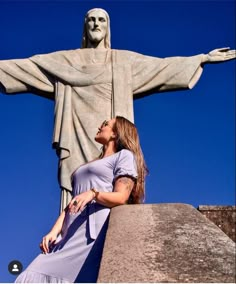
[165,243]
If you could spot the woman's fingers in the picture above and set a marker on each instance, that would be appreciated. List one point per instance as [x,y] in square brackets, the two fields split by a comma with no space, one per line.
[83,204]
[72,203]
[47,242]
[45,246]
[79,202]
[74,206]
[41,246]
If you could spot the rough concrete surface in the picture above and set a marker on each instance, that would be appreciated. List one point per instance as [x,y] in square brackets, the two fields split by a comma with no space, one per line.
[223,216]
[165,243]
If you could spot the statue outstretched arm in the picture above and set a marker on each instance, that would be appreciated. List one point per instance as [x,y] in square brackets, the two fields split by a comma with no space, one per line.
[219,55]
[153,75]
[36,74]
[23,75]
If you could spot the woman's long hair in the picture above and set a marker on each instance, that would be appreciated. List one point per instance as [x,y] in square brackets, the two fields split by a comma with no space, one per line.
[127,138]
[107,39]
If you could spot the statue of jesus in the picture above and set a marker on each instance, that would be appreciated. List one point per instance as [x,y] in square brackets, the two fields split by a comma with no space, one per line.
[95,83]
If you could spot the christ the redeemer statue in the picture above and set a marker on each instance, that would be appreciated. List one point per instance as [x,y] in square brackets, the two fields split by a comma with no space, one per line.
[95,83]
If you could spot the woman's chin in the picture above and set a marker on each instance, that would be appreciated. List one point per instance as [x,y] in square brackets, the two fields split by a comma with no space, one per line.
[98,139]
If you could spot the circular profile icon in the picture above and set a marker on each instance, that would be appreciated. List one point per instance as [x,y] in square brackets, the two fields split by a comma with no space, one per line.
[15,267]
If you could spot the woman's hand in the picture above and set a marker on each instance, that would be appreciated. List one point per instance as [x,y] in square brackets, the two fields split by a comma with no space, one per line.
[47,241]
[79,201]
[219,55]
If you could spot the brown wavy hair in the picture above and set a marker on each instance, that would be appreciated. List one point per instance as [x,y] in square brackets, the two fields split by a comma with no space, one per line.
[127,138]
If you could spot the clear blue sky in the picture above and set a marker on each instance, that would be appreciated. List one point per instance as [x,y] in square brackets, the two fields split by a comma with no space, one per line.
[188,137]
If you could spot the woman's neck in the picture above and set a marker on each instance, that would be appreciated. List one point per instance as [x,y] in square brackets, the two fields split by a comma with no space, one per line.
[109,150]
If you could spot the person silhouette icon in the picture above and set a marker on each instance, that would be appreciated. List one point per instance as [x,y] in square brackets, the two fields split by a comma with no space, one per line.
[15,268]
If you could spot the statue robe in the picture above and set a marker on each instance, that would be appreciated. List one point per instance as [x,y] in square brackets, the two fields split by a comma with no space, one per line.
[89,86]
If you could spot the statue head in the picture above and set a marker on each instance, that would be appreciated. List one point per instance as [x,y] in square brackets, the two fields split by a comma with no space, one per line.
[96,28]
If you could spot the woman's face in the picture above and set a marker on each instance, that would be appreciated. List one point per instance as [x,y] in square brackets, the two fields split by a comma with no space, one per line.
[105,132]
[96,26]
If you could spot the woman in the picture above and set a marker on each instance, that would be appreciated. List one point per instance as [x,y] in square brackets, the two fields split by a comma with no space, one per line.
[72,249]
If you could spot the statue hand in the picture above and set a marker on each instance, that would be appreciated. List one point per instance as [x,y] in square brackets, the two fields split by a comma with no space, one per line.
[220,55]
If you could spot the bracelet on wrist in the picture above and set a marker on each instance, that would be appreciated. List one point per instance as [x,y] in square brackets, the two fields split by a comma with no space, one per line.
[95,193]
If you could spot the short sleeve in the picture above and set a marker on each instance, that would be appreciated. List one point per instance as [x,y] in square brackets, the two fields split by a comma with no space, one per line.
[125,165]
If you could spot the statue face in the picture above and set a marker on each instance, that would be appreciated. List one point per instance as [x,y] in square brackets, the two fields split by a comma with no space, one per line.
[96,26]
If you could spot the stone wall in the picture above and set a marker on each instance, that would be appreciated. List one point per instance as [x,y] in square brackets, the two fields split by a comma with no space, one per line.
[165,243]
[223,216]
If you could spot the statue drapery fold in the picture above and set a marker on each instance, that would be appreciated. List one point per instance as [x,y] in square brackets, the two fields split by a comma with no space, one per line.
[87,92]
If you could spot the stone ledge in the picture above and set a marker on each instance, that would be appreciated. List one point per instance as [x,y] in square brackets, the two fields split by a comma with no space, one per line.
[165,243]
[217,208]
[223,216]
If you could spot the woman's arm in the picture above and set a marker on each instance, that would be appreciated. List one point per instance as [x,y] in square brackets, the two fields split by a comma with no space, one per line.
[122,189]
[52,235]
